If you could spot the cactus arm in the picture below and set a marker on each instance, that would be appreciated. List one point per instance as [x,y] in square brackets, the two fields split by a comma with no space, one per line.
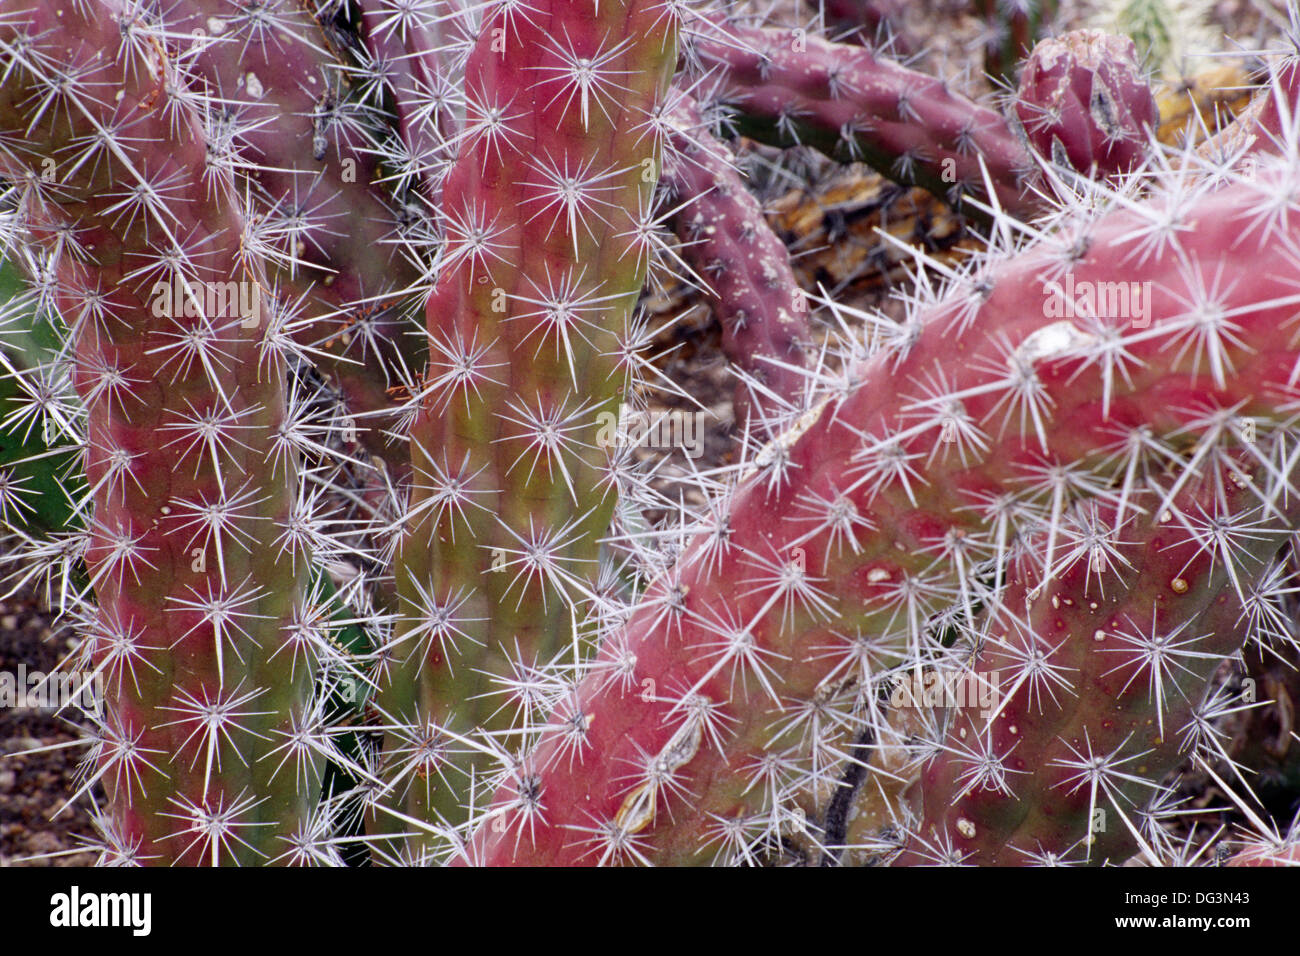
[724,660]
[1283,850]
[726,240]
[201,710]
[849,103]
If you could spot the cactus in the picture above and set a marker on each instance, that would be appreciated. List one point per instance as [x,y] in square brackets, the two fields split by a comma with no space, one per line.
[399,66]
[1084,102]
[743,265]
[184,401]
[1051,421]
[358,595]
[790,88]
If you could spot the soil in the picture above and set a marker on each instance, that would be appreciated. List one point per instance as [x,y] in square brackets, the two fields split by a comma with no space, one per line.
[39,751]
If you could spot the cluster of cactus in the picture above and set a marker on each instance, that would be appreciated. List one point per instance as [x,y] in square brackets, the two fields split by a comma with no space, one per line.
[318,391]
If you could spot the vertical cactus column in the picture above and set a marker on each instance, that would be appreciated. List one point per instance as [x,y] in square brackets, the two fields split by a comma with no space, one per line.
[205,750]
[544,218]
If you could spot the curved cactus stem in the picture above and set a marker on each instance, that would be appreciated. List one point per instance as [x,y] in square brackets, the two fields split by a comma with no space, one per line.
[878,525]
[726,240]
[791,89]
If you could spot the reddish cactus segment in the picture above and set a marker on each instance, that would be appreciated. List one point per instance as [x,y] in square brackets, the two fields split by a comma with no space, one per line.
[726,684]
[853,104]
[1095,681]
[185,401]
[1084,102]
[728,243]
[529,328]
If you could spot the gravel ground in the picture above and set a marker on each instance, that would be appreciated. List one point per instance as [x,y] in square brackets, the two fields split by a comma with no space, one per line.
[38,770]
